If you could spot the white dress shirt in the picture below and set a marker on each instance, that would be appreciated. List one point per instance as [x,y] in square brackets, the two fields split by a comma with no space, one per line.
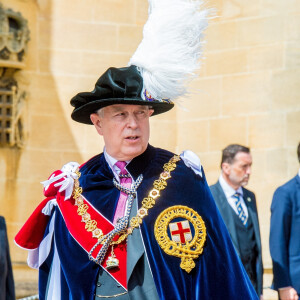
[112,164]
[229,192]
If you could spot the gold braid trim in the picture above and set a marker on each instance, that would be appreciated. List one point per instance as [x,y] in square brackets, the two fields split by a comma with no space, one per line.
[147,203]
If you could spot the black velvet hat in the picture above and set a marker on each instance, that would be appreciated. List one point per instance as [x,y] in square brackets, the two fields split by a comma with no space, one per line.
[115,86]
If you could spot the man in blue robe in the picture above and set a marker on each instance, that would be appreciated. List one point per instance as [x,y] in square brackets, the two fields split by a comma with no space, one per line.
[166,240]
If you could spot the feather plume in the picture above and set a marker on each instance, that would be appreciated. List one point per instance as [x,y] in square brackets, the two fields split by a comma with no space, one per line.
[171,47]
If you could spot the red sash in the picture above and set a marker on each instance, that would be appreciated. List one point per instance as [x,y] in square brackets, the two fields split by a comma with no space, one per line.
[85,239]
[32,233]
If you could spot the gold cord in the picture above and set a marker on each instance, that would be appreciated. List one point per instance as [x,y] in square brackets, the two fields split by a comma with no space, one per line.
[147,203]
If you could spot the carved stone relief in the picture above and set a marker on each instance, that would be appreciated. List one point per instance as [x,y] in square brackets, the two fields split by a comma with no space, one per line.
[14,36]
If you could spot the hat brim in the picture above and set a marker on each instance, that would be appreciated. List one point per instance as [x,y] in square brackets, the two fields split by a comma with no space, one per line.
[82,113]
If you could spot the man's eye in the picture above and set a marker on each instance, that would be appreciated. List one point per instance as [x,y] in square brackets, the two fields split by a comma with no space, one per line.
[141,112]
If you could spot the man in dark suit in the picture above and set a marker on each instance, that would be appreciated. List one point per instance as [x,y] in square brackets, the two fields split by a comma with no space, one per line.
[285,238]
[7,289]
[237,206]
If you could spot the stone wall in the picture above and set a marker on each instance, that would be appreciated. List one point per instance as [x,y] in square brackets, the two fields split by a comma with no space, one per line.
[247,92]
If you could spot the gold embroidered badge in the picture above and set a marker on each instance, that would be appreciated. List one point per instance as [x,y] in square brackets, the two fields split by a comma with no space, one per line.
[185,242]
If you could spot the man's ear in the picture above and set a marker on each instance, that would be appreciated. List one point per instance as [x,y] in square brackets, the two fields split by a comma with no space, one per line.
[97,121]
[226,168]
[151,111]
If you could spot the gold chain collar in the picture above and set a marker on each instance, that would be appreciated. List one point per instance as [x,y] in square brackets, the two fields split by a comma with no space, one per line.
[147,203]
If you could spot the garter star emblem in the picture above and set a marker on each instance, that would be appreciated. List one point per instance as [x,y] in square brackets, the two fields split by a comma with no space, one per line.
[181,232]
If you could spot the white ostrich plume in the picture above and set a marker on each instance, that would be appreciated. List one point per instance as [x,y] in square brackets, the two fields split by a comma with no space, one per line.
[171,48]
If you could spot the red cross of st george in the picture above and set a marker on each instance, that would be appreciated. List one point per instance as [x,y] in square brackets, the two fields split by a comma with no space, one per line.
[181,231]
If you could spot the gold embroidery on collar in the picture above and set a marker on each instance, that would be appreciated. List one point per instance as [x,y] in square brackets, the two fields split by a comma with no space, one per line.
[188,247]
[147,203]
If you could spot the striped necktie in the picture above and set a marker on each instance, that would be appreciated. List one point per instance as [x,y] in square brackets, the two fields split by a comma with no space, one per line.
[238,204]
[125,180]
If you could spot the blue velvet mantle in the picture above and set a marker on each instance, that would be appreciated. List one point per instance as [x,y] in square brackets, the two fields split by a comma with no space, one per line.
[218,274]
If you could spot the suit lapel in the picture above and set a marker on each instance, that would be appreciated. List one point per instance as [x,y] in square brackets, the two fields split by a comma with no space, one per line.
[226,212]
[298,180]
[250,203]
[135,247]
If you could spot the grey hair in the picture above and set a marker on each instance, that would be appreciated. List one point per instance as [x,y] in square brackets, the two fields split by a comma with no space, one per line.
[100,112]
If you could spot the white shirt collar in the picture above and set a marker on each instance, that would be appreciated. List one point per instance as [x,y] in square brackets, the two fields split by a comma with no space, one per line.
[299,173]
[112,163]
[228,190]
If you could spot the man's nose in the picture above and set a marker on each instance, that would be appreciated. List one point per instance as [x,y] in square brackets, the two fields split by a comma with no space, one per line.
[248,171]
[132,121]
